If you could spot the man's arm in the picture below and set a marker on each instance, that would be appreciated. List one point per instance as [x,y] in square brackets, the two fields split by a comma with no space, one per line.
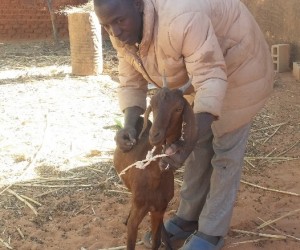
[203,58]
[131,116]
[132,93]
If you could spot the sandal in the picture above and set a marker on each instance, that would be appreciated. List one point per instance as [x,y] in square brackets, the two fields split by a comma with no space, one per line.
[174,230]
[196,243]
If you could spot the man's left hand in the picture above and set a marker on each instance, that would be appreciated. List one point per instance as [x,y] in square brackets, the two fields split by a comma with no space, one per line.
[176,157]
[177,152]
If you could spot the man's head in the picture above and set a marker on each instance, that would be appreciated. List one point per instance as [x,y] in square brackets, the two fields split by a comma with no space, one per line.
[121,19]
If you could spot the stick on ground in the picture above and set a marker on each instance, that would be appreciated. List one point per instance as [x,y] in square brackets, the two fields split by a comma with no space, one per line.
[279,231]
[275,236]
[5,244]
[20,232]
[30,199]
[23,200]
[281,217]
[248,241]
[269,189]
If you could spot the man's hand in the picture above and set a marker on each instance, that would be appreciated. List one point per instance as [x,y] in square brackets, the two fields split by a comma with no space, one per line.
[126,138]
[177,152]
[176,157]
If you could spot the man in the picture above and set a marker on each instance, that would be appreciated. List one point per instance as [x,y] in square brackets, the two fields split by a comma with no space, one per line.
[219,44]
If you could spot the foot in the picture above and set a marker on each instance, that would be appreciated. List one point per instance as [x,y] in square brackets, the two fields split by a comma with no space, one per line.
[200,241]
[177,229]
[185,225]
[211,239]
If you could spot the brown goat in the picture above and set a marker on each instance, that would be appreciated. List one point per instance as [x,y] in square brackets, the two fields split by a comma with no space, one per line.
[152,189]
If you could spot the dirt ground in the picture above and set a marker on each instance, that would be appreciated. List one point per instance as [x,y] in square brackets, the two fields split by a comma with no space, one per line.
[59,190]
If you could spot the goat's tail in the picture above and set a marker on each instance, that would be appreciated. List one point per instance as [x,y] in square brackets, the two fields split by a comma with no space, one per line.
[146,116]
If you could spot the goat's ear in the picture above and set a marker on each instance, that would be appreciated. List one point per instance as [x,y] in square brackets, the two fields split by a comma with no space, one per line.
[146,117]
[189,125]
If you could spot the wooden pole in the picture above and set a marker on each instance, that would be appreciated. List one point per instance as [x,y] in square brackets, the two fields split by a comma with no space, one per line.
[52,16]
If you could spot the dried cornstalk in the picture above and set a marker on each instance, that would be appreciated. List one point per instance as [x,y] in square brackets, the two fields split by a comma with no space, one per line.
[96,170]
[30,199]
[53,186]
[117,191]
[48,192]
[272,134]
[269,189]
[81,210]
[5,244]
[270,158]
[279,231]
[281,217]
[272,126]
[20,232]
[23,200]
[288,149]
[250,163]
[281,237]
[248,241]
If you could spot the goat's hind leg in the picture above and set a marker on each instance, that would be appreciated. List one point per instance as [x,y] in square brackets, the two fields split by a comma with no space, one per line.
[136,216]
[158,230]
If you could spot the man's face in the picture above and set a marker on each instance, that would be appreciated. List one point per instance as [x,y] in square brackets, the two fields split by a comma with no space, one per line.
[121,19]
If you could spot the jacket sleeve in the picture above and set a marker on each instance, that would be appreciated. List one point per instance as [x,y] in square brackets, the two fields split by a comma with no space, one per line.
[133,87]
[197,43]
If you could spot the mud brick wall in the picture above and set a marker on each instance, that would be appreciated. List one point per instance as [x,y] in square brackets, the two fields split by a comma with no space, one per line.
[279,20]
[30,19]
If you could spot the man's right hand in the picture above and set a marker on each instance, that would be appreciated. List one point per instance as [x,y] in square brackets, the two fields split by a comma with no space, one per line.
[126,138]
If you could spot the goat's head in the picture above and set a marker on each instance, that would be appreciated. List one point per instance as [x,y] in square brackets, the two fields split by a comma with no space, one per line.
[170,111]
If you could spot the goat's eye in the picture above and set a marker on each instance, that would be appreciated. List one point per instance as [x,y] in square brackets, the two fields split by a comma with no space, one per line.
[179,109]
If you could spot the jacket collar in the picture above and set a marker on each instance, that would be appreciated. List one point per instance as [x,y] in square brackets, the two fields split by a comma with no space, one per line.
[148,26]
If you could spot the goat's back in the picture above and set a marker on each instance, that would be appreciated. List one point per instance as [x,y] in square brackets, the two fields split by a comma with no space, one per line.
[149,186]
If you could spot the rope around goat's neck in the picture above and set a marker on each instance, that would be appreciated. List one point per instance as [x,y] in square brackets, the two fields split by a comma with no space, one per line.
[144,163]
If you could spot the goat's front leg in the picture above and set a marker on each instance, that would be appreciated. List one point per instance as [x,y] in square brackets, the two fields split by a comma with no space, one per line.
[136,216]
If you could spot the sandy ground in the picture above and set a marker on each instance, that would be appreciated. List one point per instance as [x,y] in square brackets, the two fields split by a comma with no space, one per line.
[56,140]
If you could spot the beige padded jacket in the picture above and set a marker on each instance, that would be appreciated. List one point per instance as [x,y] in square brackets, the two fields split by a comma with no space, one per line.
[218,42]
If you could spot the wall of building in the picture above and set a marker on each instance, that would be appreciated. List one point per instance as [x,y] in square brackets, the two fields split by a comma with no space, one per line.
[279,20]
[30,19]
